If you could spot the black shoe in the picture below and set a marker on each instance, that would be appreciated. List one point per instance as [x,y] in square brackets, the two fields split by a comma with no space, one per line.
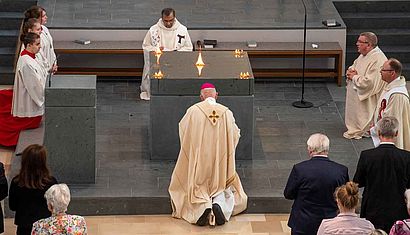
[219,215]
[203,220]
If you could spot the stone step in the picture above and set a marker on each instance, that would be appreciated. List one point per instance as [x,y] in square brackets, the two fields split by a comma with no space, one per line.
[6,56]
[156,205]
[391,36]
[16,5]
[372,6]
[8,38]
[6,75]
[376,20]
[10,20]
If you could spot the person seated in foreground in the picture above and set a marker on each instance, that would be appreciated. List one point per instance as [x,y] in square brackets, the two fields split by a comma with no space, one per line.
[205,188]
[59,223]
[402,227]
[347,221]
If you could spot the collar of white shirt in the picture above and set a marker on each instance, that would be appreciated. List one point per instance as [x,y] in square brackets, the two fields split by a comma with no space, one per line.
[211,100]
[387,143]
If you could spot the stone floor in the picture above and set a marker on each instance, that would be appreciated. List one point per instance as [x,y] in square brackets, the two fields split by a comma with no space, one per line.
[261,14]
[249,224]
[125,171]
[124,167]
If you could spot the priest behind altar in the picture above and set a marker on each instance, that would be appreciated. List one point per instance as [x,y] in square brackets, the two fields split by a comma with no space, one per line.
[166,35]
[205,187]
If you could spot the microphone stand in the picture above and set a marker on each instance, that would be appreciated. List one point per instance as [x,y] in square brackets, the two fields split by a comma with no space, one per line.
[302,103]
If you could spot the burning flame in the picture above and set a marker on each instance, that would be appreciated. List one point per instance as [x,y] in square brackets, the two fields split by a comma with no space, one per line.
[158,75]
[244,75]
[200,64]
[238,53]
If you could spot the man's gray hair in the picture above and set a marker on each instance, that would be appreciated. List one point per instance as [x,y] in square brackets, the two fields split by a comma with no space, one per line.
[388,127]
[211,90]
[318,143]
[371,38]
[58,197]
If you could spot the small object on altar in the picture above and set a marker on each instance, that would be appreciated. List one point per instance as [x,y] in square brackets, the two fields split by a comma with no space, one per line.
[238,53]
[82,41]
[252,44]
[315,46]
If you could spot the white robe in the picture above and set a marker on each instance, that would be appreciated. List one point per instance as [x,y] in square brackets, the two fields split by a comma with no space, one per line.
[28,89]
[47,48]
[394,102]
[362,93]
[175,38]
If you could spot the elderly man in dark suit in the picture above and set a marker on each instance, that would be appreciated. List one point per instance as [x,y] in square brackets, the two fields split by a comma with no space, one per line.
[384,172]
[311,185]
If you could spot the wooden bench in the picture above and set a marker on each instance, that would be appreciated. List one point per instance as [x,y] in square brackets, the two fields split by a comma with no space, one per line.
[102,48]
[291,50]
[326,50]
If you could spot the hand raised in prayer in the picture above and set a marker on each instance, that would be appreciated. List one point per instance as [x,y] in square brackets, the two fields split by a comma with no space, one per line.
[54,69]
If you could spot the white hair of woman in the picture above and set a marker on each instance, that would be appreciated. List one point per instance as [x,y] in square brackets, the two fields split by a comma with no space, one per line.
[318,144]
[58,198]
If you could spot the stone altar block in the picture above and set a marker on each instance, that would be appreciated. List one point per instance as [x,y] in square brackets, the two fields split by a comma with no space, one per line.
[70,110]
[179,88]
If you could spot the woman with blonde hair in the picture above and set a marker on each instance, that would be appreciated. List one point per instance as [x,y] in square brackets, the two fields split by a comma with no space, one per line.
[347,221]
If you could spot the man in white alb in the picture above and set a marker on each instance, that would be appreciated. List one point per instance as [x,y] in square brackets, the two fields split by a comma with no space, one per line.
[166,35]
[364,85]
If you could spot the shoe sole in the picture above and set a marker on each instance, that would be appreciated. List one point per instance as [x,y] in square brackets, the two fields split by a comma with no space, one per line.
[219,215]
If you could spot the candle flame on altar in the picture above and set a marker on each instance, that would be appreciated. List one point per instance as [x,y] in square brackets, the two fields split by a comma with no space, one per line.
[158,54]
[244,75]
[199,64]
[158,75]
[238,53]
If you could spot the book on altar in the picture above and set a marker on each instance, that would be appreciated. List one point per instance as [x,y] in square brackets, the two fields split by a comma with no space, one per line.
[82,41]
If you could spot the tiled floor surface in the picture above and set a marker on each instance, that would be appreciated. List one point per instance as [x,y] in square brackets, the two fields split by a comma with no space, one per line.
[250,224]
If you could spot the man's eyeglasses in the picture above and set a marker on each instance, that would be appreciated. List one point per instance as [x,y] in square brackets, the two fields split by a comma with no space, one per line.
[362,42]
[386,70]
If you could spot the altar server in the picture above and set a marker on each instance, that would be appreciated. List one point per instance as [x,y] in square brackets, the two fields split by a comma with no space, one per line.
[166,35]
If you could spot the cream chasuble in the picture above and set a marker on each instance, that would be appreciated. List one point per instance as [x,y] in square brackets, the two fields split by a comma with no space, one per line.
[205,168]
[394,102]
[362,93]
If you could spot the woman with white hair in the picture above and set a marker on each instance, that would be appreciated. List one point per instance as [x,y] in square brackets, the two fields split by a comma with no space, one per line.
[402,227]
[58,198]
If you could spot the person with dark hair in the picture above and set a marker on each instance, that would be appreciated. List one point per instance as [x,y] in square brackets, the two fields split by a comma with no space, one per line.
[394,102]
[23,107]
[347,221]
[402,227]
[363,86]
[47,47]
[26,195]
[311,184]
[3,194]
[166,35]
[384,173]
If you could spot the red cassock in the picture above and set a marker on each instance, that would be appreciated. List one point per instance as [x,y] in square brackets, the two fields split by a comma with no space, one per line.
[10,126]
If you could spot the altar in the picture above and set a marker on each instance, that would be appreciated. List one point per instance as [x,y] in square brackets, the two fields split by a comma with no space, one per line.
[176,78]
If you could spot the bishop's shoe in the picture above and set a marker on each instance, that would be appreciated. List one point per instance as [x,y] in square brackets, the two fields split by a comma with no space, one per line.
[219,215]
[203,220]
